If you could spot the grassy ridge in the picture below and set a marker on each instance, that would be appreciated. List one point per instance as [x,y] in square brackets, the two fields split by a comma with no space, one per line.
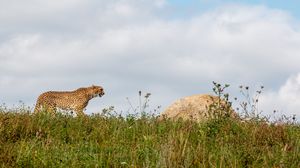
[97,141]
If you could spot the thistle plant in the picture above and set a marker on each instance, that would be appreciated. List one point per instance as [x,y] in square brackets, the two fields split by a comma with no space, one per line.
[221,107]
[249,105]
[142,105]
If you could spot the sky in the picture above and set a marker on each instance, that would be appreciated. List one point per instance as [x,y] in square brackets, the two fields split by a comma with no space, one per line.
[169,48]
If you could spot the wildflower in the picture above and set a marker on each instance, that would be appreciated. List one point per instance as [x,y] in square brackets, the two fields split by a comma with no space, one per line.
[147,95]
[226,95]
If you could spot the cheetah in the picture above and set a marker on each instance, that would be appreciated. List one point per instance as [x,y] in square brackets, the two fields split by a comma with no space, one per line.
[196,108]
[75,100]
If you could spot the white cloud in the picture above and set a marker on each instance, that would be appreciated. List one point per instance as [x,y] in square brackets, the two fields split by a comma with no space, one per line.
[285,100]
[127,45]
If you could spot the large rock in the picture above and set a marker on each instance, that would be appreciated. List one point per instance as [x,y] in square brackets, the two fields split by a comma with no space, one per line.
[197,108]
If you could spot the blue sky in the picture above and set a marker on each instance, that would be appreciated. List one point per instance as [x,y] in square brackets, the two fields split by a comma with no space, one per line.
[291,6]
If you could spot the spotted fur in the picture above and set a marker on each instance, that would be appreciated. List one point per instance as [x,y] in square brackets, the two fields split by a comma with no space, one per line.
[75,100]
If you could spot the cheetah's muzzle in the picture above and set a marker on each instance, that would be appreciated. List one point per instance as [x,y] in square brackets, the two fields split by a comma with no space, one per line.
[101,94]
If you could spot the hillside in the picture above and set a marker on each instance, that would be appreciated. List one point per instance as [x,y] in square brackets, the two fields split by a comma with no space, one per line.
[114,141]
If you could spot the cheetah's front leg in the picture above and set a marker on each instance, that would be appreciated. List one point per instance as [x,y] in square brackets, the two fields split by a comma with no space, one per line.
[79,112]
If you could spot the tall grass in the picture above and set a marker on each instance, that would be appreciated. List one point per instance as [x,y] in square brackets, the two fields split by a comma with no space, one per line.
[112,140]
[46,140]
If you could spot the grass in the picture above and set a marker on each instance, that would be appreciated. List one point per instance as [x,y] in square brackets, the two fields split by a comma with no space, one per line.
[46,140]
[140,140]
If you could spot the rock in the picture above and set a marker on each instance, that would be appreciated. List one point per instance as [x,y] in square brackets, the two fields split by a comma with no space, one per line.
[197,108]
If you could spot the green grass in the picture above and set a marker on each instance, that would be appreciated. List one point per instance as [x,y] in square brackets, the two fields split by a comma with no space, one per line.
[45,140]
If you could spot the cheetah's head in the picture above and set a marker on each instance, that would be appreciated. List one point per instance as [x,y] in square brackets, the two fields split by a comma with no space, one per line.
[96,91]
